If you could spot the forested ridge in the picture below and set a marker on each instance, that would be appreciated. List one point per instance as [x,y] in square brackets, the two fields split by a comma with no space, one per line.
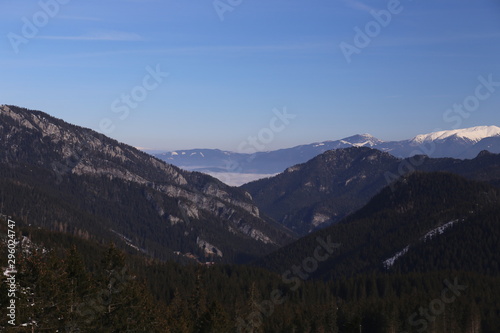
[401,216]
[310,196]
[92,207]
[90,288]
[75,284]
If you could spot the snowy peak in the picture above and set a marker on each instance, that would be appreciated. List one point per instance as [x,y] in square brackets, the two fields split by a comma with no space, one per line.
[474,134]
[362,140]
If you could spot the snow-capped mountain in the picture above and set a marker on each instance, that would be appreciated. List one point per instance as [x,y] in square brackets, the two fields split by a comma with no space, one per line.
[362,140]
[473,134]
[460,143]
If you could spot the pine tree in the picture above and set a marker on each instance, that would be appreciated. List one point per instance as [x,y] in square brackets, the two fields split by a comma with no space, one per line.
[35,307]
[178,315]
[331,317]
[77,287]
[198,304]
[215,320]
[121,305]
[473,319]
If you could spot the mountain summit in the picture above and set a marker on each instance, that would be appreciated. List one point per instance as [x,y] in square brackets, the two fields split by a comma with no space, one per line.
[362,140]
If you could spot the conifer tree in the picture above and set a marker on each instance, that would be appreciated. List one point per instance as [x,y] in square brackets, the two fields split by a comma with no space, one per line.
[215,320]
[77,287]
[121,305]
[178,315]
[198,304]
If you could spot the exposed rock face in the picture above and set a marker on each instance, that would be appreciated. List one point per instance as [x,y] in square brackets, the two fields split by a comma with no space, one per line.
[208,248]
[33,137]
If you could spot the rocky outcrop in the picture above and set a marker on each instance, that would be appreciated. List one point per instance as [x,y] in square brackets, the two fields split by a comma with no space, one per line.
[208,248]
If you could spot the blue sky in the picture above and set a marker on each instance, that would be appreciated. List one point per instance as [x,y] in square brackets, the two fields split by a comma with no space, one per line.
[81,59]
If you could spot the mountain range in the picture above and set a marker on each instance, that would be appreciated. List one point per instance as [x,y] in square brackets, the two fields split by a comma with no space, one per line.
[461,143]
[377,234]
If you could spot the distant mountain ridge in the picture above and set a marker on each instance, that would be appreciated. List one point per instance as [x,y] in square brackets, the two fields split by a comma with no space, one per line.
[216,160]
[461,143]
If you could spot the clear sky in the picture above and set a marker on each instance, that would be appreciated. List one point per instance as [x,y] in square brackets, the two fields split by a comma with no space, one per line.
[230,63]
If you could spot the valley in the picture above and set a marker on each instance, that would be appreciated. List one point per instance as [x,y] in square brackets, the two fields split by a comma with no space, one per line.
[328,245]
[233,166]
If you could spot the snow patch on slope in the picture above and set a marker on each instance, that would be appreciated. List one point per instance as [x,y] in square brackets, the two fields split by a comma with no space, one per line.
[389,262]
[429,235]
[438,231]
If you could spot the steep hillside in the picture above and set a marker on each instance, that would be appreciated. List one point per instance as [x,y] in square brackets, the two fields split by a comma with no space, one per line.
[323,190]
[112,188]
[425,222]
